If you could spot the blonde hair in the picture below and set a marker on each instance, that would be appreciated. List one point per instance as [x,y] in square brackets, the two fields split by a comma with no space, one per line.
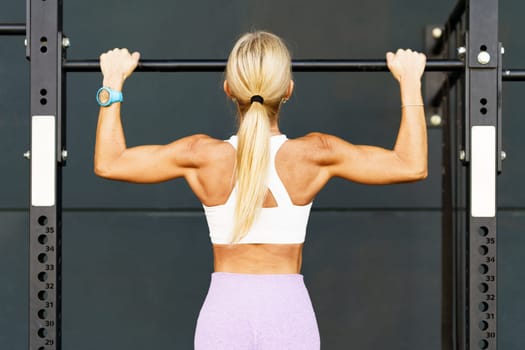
[259,64]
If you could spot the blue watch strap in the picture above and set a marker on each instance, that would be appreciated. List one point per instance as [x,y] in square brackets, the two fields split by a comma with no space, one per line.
[114,96]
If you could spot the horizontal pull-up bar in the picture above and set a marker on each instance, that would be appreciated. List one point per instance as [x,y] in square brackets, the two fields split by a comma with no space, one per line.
[513,75]
[12,29]
[320,65]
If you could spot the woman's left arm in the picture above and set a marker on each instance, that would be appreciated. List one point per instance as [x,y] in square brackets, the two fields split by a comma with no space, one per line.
[141,164]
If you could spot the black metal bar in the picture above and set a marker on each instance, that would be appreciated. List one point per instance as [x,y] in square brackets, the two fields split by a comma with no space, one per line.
[314,65]
[44,25]
[499,116]
[12,29]
[297,65]
[459,196]
[452,21]
[447,191]
[483,65]
[513,75]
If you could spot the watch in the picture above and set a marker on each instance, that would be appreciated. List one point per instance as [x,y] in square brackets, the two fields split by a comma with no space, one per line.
[107,96]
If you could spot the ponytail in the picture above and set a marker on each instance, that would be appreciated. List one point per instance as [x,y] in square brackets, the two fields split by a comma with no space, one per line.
[258,75]
[253,157]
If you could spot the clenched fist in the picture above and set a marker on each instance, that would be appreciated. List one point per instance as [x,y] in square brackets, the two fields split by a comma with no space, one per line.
[117,65]
[406,64]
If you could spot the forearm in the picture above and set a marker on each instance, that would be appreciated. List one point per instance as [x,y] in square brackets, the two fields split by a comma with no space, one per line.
[110,140]
[411,143]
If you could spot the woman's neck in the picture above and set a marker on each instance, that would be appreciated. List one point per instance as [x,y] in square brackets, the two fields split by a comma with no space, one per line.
[274,128]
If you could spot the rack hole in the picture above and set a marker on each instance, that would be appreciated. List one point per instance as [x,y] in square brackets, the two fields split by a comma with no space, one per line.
[42,295]
[483,306]
[483,325]
[483,249]
[483,48]
[42,314]
[43,47]
[483,287]
[43,92]
[43,101]
[42,348]
[42,220]
[42,332]
[483,269]
[42,257]
[483,101]
[483,344]
[483,110]
[42,276]
[483,231]
[42,239]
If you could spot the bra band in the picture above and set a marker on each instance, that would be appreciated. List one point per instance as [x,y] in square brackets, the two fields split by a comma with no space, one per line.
[257,98]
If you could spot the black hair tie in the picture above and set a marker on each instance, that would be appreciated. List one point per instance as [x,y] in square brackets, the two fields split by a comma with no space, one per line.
[257,98]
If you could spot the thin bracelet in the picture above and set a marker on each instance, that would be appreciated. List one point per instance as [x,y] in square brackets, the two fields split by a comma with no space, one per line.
[415,105]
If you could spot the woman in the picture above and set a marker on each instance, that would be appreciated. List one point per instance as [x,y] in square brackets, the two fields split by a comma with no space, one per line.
[257,187]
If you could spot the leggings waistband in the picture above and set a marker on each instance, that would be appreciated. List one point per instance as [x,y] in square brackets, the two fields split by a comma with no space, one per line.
[262,276]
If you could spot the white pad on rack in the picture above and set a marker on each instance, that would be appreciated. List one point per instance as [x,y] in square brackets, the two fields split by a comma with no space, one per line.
[483,167]
[43,160]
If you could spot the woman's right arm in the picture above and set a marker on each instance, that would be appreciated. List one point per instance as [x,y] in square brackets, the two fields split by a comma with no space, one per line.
[407,161]
[146,163]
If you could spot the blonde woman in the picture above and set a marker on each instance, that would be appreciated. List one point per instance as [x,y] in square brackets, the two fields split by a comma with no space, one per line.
[258,186]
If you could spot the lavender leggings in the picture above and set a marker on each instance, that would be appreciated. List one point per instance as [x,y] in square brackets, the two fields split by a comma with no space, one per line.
[257,312]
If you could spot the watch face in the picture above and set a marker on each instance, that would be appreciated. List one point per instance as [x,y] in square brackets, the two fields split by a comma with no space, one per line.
[103,96]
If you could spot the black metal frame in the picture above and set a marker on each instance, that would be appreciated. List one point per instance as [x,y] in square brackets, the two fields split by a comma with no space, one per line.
[483,119]
[47,88]
[469,318]
[472,160]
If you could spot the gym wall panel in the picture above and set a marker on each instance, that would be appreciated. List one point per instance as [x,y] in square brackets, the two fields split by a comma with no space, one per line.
[190,103]
[14,123]
[137,280]
[14,256]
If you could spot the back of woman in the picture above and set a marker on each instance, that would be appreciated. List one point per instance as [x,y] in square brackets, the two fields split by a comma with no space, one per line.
[257,187]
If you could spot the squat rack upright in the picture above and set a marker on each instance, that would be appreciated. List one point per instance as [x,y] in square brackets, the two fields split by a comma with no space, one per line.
[469,317]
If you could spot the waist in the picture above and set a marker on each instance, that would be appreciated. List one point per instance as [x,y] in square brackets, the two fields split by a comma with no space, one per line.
[255,295]
[255,287]
[258,258]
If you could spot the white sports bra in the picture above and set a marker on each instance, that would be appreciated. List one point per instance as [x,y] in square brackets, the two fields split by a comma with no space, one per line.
[285,223]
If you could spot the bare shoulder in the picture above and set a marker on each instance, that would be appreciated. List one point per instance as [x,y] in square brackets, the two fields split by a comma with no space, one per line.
[198,141]
[316,141]
[201,149]
[316,147]
[205,144]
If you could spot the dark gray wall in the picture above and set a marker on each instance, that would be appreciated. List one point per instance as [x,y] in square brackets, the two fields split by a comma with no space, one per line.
[137,257]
